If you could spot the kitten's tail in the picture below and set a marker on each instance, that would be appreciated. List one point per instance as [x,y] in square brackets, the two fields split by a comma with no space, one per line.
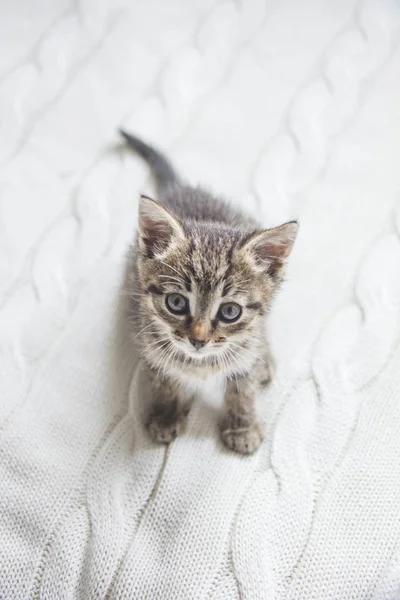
[160,166]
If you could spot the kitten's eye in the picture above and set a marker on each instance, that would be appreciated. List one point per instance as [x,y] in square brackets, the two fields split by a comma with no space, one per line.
[177,304]
[229,312]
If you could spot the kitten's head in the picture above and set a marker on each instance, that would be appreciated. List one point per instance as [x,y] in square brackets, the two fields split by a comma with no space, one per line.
[205,288]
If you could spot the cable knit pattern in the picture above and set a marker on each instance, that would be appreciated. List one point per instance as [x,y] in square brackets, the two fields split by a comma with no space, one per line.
[292,110]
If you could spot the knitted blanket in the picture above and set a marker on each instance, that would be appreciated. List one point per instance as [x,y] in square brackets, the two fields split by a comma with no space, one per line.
[291,109]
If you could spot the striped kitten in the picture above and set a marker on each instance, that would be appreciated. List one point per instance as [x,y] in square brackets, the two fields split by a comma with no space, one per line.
[205,275]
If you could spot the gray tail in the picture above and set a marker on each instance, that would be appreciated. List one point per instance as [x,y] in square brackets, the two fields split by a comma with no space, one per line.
[160,166]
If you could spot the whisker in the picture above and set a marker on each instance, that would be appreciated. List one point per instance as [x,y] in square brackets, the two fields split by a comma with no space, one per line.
[148,346]
[249,351]
[169,266]
[228,358]
[144,329]
[234,362]
[142,342]
[230,355]
[160,347]
[185,361]
[220,362]
[158,358]
[163,359]
[170,278]
[237,355]
[241,282]
[175,284]
[171,357]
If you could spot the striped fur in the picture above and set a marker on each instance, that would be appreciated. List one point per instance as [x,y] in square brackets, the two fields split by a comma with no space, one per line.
[197,245]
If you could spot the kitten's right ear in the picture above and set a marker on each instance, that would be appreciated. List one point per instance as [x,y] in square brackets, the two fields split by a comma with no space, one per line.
[270,248]
[158,228]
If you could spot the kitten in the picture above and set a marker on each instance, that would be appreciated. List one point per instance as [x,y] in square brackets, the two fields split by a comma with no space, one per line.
[205,275]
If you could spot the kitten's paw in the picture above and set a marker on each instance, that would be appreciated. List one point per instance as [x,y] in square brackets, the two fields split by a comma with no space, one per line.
[164,424]
[243,440]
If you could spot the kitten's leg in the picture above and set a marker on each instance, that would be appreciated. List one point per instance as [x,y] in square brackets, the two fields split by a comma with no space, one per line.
[241,430]
[168,411]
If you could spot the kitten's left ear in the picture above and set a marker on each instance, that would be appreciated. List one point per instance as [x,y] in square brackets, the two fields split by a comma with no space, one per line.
[271,247]
[158,228]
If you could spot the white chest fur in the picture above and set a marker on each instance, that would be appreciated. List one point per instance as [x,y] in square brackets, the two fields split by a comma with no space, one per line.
[210,389]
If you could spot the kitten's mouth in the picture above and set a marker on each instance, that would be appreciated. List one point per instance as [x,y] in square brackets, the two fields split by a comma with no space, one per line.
[197,354]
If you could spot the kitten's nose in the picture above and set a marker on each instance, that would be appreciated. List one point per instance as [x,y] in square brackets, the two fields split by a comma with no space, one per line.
[198,343]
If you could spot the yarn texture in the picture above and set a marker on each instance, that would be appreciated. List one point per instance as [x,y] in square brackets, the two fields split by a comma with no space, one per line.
[292,110]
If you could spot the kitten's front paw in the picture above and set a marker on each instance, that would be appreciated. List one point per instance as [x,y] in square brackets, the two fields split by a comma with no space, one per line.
[243,440]
[166,422]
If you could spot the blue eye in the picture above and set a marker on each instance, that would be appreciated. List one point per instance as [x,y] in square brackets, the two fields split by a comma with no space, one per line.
[229,312]
[177,304]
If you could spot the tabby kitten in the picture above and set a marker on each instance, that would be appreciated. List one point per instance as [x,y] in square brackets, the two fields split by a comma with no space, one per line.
[205,275]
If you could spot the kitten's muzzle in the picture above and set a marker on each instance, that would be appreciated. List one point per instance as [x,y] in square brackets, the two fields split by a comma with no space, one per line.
[198,343]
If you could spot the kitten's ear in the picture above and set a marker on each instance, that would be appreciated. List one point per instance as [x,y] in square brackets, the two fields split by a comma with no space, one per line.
[271,247]
[158,228]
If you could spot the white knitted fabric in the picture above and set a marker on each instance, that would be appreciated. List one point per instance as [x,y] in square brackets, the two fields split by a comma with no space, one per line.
[291,108]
